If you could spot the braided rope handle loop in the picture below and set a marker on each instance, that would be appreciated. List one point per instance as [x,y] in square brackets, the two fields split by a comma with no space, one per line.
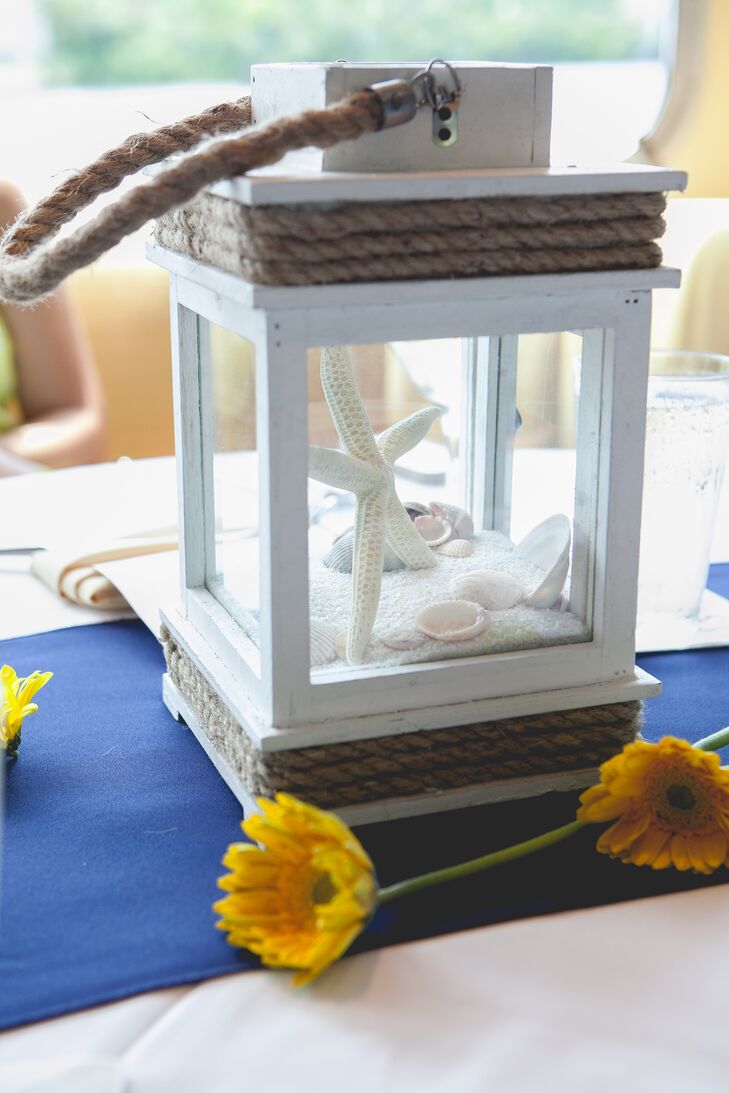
[132,155]
[33,262]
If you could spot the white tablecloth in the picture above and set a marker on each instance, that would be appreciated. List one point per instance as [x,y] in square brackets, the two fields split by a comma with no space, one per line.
[630,997]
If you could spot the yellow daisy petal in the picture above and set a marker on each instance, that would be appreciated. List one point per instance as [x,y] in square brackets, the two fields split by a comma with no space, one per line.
[679,853]
[31,685]
[15,705]
[8,675]
[710,850]
[663,860]
[618,838]
[598,806]
[646,849]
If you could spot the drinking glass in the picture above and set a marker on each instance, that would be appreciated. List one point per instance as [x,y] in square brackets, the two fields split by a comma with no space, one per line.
[687,441]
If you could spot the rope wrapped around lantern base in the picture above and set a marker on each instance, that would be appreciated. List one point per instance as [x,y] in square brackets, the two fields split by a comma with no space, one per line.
[417,763]
[373,241]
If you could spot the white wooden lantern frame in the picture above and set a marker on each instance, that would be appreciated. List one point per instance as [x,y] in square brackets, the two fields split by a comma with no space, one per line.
[227,684]
[269,689]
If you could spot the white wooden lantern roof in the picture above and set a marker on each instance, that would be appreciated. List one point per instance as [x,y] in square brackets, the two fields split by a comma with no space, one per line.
[297,179]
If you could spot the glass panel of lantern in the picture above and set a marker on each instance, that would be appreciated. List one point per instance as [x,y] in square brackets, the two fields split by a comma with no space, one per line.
[443,520]
[232,552]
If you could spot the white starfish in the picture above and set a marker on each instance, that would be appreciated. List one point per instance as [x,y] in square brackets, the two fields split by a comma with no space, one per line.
[365,468]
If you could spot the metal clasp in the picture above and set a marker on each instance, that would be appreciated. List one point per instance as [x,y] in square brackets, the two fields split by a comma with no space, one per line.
[401,100]
[442,98]
[429,92]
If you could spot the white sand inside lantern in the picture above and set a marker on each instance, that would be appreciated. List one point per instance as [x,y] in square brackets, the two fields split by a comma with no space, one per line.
[406,592]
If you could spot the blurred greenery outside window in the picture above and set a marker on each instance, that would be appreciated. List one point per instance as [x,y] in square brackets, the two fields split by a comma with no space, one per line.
[110,44]
[86,73]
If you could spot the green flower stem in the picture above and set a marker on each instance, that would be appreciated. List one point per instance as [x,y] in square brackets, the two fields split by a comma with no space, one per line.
[477,865]
[717,740]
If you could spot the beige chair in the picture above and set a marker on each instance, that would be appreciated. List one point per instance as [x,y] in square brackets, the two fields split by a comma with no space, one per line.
[125,312]
[701,318]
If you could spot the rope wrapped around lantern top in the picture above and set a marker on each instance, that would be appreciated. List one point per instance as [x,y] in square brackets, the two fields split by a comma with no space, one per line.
[362,241]
[305,244]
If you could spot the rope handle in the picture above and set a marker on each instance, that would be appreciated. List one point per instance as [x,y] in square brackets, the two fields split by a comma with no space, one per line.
[105,173]
[33,262]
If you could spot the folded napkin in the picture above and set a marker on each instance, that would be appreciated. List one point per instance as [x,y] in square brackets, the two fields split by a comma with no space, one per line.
[71,571]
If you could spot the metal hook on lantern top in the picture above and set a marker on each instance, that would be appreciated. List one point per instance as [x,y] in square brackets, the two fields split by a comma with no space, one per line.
[401,100]
[437,94]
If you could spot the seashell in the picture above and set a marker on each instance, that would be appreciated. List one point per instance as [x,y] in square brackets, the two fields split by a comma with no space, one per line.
[322,636]
[459,519]
[340,644]
[415,508]
[453,620]
[456,548]
[340,554]
[403,639]
[491,589]
[548,546]
[434,530]
[545,595]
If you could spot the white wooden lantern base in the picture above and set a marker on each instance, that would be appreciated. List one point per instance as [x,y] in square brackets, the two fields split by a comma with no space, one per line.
[200,691]
[390,808]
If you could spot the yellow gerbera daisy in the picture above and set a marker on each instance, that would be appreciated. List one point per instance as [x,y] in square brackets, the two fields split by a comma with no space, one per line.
[16,695]
[300,899]
[670,804]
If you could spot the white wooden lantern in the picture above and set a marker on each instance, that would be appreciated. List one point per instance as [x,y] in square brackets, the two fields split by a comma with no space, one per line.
[542,382]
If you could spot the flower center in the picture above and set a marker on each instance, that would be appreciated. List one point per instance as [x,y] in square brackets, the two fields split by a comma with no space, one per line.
[681,800]
[323,891]
[679,796]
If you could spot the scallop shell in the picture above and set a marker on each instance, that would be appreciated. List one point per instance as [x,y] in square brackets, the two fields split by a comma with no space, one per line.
[488,587]
[548,546]
[340,644]
[456,548]
[403,639]
[458,518]
[434,529]
[322,637]
[340,554]
[453,620]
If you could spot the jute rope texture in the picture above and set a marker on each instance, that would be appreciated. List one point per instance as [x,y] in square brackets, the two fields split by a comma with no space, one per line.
[370,770]
[33,262]
[290,222]
[304,244]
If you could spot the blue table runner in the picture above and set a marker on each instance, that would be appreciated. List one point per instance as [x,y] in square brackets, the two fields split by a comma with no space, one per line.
[116,822]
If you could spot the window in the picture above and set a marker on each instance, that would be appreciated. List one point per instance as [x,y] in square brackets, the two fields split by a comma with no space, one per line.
[88,72]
